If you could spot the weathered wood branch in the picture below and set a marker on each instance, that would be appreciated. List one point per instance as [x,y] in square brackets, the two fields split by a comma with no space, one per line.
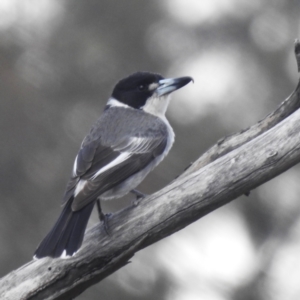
[237,165]
[229,143]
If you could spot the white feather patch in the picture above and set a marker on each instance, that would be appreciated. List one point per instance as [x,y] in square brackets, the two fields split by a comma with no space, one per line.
[65,256]
[139,144]
[75,167]
[79,187]
[157,106]
[122,157]
[115,103]
[135,145]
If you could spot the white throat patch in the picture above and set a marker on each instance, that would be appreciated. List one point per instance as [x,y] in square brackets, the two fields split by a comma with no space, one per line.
[157,106]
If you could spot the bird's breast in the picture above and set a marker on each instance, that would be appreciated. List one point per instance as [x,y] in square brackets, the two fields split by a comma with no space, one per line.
[171,137]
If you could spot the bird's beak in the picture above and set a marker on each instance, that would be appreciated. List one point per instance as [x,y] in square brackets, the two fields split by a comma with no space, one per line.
[169,85]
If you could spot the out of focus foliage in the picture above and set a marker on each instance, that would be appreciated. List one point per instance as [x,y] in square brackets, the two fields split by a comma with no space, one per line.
[58,63]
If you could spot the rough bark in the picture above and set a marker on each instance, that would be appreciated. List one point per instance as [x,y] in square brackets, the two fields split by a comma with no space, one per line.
[227,144]
[229,169]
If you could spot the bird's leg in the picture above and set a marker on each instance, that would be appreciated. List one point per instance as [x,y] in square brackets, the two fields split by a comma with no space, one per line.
[102,217]
[100,213]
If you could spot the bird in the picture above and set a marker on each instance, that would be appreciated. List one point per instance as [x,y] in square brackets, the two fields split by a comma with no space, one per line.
[129,139]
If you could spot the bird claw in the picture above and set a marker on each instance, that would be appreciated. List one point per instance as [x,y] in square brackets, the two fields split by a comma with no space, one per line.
[139,195]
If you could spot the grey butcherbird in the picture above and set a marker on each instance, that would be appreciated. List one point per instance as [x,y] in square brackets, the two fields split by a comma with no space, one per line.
[130,138]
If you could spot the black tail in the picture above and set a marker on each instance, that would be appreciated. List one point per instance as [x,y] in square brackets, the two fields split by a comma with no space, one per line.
[67,233]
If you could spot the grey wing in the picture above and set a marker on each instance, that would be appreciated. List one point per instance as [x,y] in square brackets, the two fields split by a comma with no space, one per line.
[98,167]
[91,157]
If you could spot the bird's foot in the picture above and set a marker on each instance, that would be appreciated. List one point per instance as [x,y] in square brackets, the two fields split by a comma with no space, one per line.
[139,195]
[104,219]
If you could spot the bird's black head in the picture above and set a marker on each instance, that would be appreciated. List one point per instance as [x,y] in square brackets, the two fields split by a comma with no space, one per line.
[135,89]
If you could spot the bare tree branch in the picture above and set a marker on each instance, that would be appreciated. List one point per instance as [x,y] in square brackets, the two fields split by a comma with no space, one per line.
[227,144]
[231,168]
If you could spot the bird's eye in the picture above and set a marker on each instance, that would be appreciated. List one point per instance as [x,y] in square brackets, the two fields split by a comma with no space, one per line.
[142,87]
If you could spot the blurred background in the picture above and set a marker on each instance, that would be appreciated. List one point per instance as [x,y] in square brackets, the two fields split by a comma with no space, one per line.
[60,59]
